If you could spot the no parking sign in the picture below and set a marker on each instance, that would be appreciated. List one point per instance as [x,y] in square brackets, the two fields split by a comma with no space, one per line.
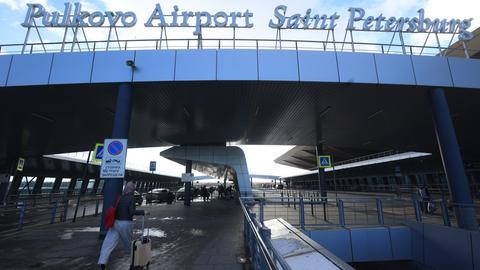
[114,158]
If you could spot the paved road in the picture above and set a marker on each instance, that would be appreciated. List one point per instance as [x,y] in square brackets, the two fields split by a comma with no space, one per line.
[206,235]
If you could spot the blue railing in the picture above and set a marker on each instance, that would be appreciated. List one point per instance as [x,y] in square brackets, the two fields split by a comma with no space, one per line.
[27,210]
[306,209]
[257,239]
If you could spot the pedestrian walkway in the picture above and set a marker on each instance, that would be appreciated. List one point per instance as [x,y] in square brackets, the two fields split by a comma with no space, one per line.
[206,235]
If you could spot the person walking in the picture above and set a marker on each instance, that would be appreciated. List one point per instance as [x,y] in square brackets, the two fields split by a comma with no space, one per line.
[123,226]
[425,197]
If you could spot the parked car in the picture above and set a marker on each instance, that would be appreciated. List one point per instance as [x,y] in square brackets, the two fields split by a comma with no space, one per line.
[180,194]
[160,195]
[138,198]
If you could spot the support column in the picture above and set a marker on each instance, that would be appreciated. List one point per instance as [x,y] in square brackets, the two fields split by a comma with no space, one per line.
[37,188]
[84,187]
[150,186]
[95,186]
[56,185]
[188,184]
[71,186]
[452,161]
[121,127]
[4,181]
[16,182]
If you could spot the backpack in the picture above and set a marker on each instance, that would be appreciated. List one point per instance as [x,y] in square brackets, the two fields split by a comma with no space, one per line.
[110,216]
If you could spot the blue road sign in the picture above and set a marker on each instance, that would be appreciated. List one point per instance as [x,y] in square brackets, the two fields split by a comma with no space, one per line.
[153,166]
[324,162]
[115,148]
[98,152]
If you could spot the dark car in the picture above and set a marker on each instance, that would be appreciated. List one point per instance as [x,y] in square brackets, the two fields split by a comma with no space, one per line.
[138,198]
[160,195]
[180,194]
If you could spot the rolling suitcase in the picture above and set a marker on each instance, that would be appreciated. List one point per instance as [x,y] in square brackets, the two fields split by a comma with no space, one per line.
[141,250]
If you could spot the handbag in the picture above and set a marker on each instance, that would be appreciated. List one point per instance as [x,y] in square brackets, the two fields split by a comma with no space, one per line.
[110,216]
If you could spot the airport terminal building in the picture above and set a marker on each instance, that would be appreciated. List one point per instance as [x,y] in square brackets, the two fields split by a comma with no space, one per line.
[337,96]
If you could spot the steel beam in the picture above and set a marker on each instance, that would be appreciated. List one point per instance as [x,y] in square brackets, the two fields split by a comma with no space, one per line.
[56,185]
[37,188]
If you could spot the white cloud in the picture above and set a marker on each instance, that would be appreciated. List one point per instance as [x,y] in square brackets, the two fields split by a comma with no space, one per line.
[21,4]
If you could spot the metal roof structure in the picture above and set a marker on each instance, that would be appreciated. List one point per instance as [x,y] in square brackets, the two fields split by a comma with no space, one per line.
[354,103]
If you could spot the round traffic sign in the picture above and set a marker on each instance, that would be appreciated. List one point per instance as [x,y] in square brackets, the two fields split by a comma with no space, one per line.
[115,148]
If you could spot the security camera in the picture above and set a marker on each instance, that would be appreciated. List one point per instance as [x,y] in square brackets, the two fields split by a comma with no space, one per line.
[130,63]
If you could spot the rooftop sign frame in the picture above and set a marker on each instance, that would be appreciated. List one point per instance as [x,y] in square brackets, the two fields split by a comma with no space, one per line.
[75,19]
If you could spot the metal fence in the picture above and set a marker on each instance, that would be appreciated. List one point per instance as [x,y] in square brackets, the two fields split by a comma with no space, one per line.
[307,209]
[40,209]
[219,43]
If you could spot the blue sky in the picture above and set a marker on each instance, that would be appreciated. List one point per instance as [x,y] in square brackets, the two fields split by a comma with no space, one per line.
[260,159]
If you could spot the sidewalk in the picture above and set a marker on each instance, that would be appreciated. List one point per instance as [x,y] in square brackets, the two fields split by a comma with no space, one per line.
[202,236]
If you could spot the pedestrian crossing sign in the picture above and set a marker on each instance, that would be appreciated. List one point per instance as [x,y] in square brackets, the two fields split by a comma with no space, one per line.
[324,161]
[98,152]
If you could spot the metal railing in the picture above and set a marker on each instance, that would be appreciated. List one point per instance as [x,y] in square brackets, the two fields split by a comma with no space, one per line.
[307,209]
[24,212]
[257,238]
[224,43]
[345,185]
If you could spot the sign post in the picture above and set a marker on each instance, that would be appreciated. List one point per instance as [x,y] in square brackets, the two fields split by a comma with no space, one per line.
[187,177]
[114,158]
[326,162]
[153,166]
[20,164]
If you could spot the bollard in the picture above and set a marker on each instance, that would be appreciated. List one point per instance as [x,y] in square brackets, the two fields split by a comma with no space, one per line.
[341,213]
[381,219]
[418,212]
[21,217]
[301,213]
[54,212]
[262,203]
[446,218]
[84,209]
[96,207]
[288,199]
[281,194]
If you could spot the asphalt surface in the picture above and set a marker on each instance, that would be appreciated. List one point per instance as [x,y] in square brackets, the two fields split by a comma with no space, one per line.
[206,235]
